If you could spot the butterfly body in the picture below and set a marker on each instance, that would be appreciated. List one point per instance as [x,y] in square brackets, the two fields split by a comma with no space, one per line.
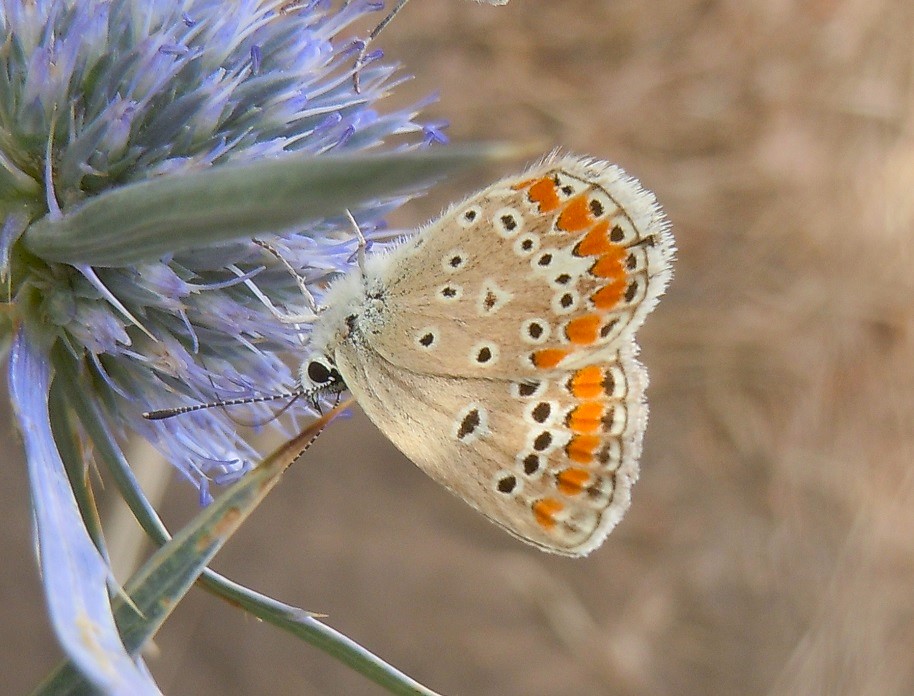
[495,348]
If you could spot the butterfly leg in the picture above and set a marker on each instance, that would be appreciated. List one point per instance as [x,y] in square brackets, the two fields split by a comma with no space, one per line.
[314,308]
[363,244]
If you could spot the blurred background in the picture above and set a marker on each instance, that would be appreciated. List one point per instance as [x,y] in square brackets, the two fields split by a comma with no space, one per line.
[770,545]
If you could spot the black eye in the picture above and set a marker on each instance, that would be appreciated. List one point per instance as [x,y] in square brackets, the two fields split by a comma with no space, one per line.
[318,372]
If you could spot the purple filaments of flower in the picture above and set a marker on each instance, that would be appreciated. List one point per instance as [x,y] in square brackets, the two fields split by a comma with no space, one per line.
[433,132]
[256,58]
[147,88]
[164,282]
[98,329]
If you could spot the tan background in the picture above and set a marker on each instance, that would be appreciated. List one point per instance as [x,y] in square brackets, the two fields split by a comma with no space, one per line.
[770,546]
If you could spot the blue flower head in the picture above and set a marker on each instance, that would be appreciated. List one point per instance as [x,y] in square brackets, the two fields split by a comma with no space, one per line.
[102,95]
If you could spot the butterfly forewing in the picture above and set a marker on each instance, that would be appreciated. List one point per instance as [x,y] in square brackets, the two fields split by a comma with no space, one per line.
[554,269]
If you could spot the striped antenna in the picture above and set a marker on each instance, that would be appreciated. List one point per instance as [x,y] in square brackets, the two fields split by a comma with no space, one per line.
[164,413]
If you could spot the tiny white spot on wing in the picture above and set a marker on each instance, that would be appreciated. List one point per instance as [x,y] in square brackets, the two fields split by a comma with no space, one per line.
[471,424]
[426,338]
[454,260]
[508,222]
[492,298]
[483,354]
[526,244]
[449,292]
[535,331]
[469,216]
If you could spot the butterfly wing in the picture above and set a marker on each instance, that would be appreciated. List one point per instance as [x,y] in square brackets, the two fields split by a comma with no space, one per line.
[552,460]
[551,270]
[496,348]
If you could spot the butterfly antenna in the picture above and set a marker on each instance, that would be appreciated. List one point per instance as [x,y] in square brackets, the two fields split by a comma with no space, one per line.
[363,51]
[260,423]
[164,413]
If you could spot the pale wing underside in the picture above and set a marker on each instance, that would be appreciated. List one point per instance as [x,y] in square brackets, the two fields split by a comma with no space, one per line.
[550,460]
[554,269]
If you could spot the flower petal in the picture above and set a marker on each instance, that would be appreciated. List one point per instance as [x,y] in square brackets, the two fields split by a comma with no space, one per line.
[72,570]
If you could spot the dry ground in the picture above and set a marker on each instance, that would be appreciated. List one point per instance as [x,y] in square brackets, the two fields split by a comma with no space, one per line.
[770,545]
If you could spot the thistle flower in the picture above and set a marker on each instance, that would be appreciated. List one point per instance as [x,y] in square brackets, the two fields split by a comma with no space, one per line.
[123,91]
[108,96]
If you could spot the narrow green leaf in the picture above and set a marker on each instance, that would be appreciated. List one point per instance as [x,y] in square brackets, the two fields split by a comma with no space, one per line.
[157,587]
[162,582]
[75,464]
[143,221]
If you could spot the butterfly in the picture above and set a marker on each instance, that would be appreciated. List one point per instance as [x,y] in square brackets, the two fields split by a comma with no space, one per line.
[496,347]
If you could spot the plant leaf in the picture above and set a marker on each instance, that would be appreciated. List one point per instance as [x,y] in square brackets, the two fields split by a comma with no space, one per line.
[144,221]
[74,574]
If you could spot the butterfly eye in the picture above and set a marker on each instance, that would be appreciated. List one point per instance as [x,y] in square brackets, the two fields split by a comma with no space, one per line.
[318,375]
[319,372]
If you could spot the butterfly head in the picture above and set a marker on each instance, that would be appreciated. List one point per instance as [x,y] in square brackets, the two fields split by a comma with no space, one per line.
[353,304]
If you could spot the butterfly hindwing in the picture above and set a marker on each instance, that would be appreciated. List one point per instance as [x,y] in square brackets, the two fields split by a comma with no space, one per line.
[551,460]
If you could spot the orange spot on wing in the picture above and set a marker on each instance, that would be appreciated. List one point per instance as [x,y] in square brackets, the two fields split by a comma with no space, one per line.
[587,383]
[586,417]
[581,448]
[521,185]
[583,330]
[575,216]
[608,296]
[573,481]
[545,194]
[596,242]
[609,265]
[545,511]
[549,357]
